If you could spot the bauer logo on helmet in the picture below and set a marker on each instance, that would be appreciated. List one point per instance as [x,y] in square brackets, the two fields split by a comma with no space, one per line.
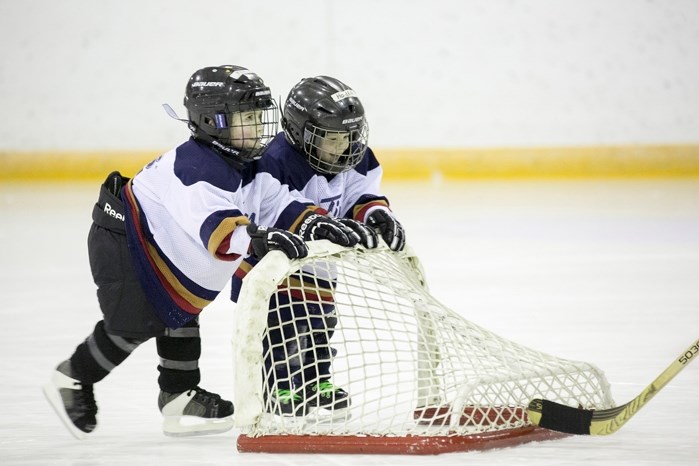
[207,84]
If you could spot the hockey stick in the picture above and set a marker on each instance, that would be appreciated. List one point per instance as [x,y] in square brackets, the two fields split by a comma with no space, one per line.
[578,421]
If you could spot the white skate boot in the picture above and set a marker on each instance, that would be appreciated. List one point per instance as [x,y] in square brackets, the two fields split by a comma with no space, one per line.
[195,412]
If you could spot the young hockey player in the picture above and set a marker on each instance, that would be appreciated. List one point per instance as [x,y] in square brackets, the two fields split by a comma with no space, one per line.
[164,244]
[322,155]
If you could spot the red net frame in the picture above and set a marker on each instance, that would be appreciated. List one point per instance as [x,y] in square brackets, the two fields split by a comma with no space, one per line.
[389,445]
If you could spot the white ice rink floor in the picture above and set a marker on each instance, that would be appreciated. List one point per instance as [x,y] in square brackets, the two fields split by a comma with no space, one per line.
[601,271]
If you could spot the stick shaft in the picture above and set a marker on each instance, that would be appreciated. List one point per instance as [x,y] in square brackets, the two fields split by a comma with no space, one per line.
[607,423]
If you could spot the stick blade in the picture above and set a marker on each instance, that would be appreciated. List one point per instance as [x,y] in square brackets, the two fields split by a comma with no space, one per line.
[561,418]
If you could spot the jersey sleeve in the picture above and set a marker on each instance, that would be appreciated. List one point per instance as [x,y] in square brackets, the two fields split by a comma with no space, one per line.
[363,189]
[224,235]
[211,213]
[198,197]
[281,206]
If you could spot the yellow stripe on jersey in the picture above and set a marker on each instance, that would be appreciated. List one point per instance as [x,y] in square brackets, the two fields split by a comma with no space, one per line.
[301,289]
[194,300]
[224,230]
[245,267]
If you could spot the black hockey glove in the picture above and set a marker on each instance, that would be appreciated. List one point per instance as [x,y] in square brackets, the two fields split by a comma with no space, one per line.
[264,239]
[316,226]
[390,229]
[367,236]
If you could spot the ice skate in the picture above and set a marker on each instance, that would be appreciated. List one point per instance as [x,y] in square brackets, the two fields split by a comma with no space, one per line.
[326,395]
[195,412]
[284,402]
[326,402]
[73,401]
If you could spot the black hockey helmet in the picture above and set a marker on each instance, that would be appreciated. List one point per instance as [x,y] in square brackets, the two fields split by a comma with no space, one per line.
[324,120]
[215,94]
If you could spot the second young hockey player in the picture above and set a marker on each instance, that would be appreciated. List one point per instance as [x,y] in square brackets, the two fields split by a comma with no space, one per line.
[322,155]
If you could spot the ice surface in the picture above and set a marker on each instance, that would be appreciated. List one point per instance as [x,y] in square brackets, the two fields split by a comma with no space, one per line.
[601,271]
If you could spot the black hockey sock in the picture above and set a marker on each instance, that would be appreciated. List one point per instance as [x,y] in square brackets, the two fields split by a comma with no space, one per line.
[100,353]
[318,354]
[179,352]
[282,352]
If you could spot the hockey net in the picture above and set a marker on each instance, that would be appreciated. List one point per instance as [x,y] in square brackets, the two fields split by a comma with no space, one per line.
[421,378]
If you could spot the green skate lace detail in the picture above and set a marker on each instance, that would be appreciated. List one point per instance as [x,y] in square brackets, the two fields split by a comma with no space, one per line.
[325,387]
[287,396]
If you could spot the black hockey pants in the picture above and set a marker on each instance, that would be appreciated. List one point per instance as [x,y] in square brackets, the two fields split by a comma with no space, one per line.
[128,317]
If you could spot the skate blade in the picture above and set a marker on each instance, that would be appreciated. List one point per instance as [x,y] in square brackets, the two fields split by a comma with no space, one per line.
[54,398]
[313,416]
[194,426]
[324,416]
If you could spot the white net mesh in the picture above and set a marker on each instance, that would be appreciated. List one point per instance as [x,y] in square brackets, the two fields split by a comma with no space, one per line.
[364,321]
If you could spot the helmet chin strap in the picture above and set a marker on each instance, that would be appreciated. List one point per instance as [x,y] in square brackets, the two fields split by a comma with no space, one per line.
[228,154]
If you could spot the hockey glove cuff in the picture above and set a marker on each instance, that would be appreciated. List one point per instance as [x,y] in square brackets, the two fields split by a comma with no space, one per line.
[389,228]
[316,226]
[264,239]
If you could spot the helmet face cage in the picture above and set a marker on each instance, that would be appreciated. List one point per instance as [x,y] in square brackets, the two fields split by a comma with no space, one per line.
[243,127]
[330,151]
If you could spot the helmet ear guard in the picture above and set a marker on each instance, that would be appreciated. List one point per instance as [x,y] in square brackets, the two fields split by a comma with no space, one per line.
[284,123]
[293,135]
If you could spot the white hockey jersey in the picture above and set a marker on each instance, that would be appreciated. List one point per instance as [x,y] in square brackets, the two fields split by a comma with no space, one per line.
[183,213]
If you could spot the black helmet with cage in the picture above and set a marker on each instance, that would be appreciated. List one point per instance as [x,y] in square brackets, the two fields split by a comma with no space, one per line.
[324,120]
[232,109]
